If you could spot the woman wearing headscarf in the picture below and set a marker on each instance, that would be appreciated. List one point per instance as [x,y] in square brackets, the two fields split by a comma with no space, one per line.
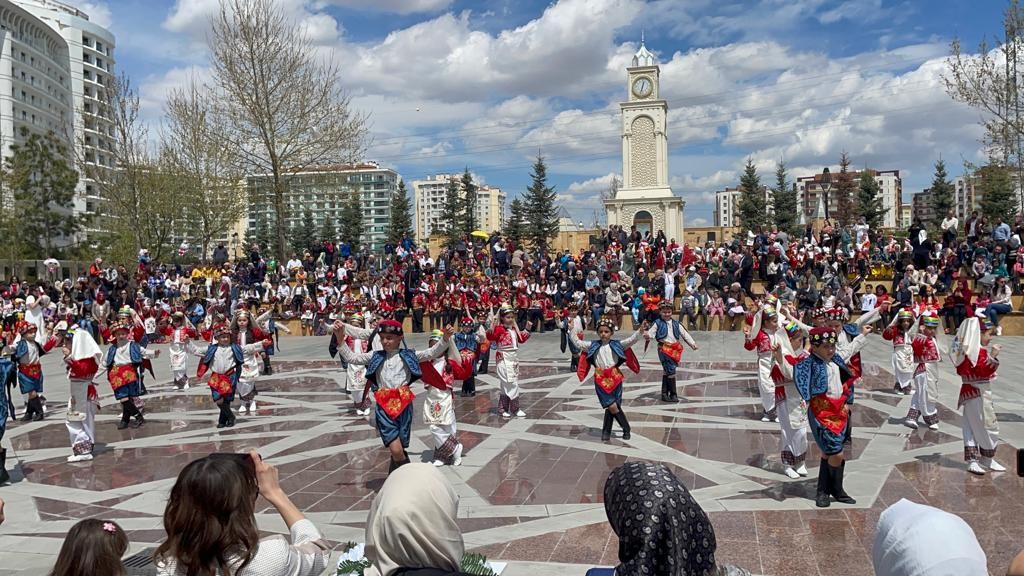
[662,530]
[411,528]
[918,540]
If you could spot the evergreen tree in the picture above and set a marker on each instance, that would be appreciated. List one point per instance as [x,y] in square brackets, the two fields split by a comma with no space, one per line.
[844,189]
[451,213]
[303,234]
[42,185]
[941,193]
[400,225]
[515,227]
[784,202]
[541,223]
[327,231]
[751,207]
[469,189]
[998,198]
[869,200]
[351,225]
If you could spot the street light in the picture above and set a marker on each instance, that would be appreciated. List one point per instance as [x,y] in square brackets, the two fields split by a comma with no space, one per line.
[826,185]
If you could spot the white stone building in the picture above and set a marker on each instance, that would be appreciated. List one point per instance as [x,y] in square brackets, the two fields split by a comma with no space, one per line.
[429,197]
[810,195]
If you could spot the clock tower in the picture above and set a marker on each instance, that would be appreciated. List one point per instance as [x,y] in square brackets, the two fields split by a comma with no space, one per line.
[645,199]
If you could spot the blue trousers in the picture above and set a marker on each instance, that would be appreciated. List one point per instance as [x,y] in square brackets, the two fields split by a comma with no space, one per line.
[829,442]
[667,364]
[606,399]
[391,429]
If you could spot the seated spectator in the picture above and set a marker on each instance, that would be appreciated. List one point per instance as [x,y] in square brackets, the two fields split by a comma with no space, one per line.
[1002,303]
[211,523]
[411,528]
[92,548]
[661,528]
[918,540]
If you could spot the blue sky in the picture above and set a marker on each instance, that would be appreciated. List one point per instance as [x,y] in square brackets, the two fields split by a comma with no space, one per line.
[450,83]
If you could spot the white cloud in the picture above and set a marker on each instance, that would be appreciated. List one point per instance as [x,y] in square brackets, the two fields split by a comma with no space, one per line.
[393,6]
[697,222]
[98,11]
[594,186]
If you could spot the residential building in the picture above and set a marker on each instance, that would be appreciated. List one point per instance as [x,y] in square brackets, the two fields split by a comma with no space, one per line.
[90,59]
[324,191]
[726,214]
[429,199]
[966,198]
[921,206]
[810,191]
[906,216]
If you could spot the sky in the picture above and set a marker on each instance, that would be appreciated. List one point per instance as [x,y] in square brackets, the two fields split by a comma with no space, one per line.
[453,84]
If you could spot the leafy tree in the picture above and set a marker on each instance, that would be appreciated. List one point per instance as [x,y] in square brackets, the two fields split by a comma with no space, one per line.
[998,198]
[753,212]
[43,189]
[541,224]
[451,212]
[351,226]
[784,202]
[844,190]
[303,235]
[869,200]
[469,189]
[400,225]
[327,231]
[515,227]
[941,193]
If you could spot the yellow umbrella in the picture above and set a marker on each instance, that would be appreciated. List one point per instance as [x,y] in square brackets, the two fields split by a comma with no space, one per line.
[479,234]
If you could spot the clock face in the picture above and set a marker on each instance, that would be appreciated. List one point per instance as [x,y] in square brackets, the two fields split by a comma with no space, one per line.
[642,87]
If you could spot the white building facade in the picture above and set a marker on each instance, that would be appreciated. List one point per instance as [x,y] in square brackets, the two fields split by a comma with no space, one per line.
[429,198]
[810,195]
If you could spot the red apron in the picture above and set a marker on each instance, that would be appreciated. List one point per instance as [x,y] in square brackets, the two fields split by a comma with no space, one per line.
[394,400]
[220,383]
[673,351]
[122,375]
[608,379]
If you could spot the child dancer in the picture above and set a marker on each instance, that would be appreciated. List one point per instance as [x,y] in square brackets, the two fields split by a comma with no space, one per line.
[245,332]
[791,407]
[901,332]
[507,337]
[572,323]
[668,332]
[606,355]
[224,360]
[355,374]
[82,359]
[27,353]
[467,344]
[389,372]
[180,333]
[124,362]
[765,341]
[439,410]
[977,360]
[7,378]
[926,375]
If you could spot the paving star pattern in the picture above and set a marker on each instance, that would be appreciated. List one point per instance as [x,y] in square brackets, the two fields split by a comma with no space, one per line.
[531,489]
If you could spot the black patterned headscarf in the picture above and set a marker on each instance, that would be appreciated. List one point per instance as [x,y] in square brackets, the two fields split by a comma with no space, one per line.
[662,530]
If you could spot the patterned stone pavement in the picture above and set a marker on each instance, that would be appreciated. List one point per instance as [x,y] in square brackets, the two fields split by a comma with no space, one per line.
[531,489]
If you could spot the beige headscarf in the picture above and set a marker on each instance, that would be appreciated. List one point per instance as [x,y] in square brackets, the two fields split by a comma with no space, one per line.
[412,523]
[967,344]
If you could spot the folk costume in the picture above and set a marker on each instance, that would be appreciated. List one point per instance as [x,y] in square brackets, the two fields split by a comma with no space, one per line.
[355,374]
[179,334]
[246,387]
[850,339]
[827,386]
[764,342]
[977,368]
[124,361]
[225,364]
[439,408]
[26,357]
[467,343]
[926,377]
[7,379]
[670,336]
[791,407]
[902,350]
[389,375]
[82,364]
[571,323]
[507,340]
[606,358]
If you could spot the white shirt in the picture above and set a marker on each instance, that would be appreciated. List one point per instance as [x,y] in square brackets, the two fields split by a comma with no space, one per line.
[393,373]
[948,223]
[867,302]
[604,358]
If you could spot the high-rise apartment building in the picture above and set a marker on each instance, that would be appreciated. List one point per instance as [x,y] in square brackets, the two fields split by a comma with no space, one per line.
[810,191]
[429,198]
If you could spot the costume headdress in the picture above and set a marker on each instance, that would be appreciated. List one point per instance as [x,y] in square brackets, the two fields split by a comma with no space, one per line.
[665,304]
[436,335]
[607,323]
[823,335]
[389,327]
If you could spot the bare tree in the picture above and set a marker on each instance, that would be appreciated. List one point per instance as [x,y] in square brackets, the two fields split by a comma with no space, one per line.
[196,152]
[282,108]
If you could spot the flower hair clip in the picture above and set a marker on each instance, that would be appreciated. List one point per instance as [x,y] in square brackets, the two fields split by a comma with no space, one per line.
[109,527]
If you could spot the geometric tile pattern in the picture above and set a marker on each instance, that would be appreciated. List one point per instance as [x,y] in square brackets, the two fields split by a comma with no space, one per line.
[531,489]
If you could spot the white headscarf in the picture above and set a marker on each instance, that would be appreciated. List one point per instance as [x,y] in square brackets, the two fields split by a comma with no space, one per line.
[411,523]
[967,343]
[83,346]
[918,540]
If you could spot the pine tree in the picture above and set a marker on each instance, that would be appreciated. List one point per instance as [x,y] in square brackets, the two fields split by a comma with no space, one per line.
[541,211]
[998,198]
[941,193]
[451,213]
[351,225]
[784,202]
[514,228]
[751,207]
[469,189]
[327,231]
[43,189]
[303,234]
[869,200]
[844,190]
[400,225]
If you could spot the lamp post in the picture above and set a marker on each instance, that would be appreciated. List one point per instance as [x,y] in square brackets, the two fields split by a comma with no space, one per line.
[826,185]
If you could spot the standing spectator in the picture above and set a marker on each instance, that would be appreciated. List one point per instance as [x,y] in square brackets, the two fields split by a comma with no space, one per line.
[220,256]
[949,228]
[972,228]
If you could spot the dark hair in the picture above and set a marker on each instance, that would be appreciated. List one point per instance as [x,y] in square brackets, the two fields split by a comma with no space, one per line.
[92,548]
[210,517]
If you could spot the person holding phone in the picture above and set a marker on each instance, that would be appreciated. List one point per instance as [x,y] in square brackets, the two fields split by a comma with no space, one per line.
[211,526]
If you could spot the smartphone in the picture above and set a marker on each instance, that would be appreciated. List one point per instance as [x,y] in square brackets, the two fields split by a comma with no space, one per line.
[1020,462]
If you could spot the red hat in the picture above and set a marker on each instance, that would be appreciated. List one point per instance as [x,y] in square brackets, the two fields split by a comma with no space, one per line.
[822,335]
[221,329]
[26,327]
[389,327]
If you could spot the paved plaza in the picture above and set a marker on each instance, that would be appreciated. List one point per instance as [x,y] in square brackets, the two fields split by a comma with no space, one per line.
[531,489]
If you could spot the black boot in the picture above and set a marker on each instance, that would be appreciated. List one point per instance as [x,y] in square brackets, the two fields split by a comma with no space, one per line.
[574,363]
[125,415]
[30,410]
[4,476]
[38,415]
[229,416]
[666,396]
[821,499]
[606,428]
[221,417]
[836,486]
[620,417]
[266,365]
[671,385]
[133,410]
